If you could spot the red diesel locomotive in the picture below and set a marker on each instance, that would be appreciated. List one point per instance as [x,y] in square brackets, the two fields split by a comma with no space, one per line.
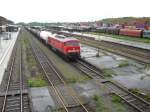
[67,46]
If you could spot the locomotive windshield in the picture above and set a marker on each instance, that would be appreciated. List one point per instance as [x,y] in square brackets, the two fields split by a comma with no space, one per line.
[71,43]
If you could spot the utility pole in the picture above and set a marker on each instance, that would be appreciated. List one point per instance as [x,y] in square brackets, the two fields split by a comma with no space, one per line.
[98,49]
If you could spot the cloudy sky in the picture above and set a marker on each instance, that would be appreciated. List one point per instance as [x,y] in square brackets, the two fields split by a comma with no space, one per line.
[71,10]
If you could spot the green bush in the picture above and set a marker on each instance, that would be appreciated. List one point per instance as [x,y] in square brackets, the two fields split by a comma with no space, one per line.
[100,106]
[37,82]
[115,99]
[123,64]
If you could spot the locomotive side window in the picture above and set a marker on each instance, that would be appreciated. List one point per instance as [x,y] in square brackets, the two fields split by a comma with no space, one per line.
[71,43]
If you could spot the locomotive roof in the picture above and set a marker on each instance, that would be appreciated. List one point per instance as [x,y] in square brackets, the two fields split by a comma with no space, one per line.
[63,38]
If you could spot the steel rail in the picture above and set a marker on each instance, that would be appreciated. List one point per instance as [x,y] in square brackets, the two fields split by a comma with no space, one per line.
[71,91]
[9,78]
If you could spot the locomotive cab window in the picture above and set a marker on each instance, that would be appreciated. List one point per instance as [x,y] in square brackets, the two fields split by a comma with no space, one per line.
[71,43]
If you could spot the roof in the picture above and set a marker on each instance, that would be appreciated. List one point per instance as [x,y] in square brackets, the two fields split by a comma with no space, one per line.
[63,38]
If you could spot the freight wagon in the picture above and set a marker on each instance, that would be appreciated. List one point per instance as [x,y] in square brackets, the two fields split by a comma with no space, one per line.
[131,32]
[101,30]
[139,33]
[146,34]
[114,31]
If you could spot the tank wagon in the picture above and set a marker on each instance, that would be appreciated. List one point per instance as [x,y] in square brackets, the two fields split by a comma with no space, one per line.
[67,47]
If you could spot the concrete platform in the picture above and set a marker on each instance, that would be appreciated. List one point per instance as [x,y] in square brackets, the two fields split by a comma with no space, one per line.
[6,47]
[41,99]
[68,96]
[120,41]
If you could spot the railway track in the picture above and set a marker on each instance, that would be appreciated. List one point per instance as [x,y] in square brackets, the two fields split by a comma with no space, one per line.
[135,53]
[15,96]
[131,99]
[138,54]
[94,73]
[90,70]
[67,99]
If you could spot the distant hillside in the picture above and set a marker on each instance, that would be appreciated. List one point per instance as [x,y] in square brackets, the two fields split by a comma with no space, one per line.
[43,24]
[141,21]
[127,20]
[4,21]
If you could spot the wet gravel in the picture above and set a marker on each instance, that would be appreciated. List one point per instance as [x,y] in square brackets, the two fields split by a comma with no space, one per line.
[128,72]
[85,89]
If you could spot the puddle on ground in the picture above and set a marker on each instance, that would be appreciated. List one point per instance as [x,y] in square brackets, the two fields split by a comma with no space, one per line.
[104,62]
[140,81]
[89,52]
[126,71]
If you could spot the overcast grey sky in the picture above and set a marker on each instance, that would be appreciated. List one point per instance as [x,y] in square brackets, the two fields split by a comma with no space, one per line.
[71,10]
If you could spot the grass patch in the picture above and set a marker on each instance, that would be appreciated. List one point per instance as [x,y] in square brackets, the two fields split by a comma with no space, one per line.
[31,61]
[70,75]
[100,106]
[143,77]
[24,40]
[76,78]
[147,66]
[144,40]
[51,109]
[108,72]
[117,104]
[37,81]
[123,63]
[115,99]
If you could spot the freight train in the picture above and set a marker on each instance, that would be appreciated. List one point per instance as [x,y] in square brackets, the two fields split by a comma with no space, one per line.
[116,31]
[125,32]
[68,47]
